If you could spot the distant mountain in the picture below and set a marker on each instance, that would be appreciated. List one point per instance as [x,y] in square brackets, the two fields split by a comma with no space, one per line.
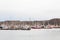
[51,21]
[55,21]
[15,24]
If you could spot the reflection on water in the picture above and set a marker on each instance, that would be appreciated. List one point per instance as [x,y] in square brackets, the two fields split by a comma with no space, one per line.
[41,34]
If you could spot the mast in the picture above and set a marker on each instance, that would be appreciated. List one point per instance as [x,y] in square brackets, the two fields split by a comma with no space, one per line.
[55,22]
[36,23]
[44,24]
[48,23]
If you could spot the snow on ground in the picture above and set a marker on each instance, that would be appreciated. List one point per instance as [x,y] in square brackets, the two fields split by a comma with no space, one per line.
[34,34]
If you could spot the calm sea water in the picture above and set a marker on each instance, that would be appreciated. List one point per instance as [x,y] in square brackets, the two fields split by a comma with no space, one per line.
[34,34]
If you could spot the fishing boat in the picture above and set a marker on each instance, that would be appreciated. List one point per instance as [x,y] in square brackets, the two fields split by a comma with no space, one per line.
[25,27]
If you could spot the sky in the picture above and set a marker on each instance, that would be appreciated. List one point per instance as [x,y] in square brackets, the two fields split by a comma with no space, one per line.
[29,9]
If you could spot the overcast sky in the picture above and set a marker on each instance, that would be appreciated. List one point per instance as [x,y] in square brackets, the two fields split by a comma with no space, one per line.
[29,9]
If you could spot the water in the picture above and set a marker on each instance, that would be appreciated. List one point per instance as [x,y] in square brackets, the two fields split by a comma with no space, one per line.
[34,34]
